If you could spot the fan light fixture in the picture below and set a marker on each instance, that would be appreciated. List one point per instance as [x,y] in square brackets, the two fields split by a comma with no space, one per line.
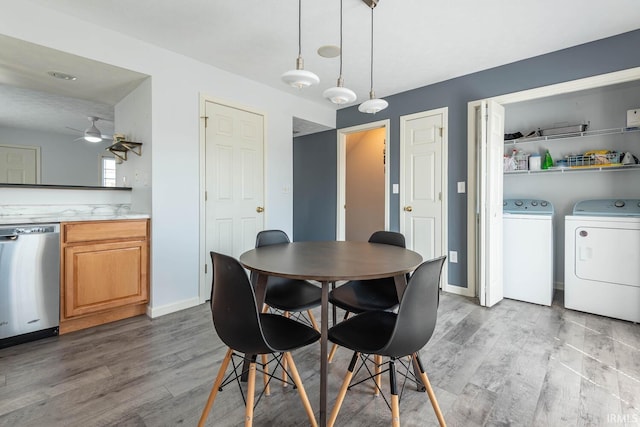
[300,78]
[92,134]
[373,104]
[340,94]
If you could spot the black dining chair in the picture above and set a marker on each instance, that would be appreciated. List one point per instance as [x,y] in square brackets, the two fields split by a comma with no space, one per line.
[358,296]
[246,331]
[394,335]
[288,295]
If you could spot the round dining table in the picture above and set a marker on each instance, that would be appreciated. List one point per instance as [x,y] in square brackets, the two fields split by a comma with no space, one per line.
[328,262]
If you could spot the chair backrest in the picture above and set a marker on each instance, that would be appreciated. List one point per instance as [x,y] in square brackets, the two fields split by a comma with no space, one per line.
[388,238]
[235,315]
[271,237]
[418,311]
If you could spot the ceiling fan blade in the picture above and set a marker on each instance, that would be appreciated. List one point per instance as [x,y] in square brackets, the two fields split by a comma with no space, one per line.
[74,129]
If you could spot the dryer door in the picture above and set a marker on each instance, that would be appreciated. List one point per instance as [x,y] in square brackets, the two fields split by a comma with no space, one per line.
[608,255]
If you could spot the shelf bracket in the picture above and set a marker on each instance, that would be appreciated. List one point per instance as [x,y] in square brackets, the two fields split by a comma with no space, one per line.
[121,148]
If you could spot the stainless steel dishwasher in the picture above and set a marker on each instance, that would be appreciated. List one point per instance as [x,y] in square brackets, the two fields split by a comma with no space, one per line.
[29,282]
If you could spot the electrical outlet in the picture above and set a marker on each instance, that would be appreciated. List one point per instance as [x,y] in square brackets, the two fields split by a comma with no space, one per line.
[453,257]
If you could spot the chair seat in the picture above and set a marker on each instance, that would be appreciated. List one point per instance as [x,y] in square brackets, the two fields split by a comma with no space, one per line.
[284,334]
[357,334]
[358,296]
[292,295]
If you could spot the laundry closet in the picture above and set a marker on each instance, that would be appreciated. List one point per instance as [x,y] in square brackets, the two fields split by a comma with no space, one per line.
[590,151]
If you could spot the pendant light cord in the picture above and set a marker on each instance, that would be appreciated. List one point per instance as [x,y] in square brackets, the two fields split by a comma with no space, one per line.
[299,28]
[371,50]
[340,77]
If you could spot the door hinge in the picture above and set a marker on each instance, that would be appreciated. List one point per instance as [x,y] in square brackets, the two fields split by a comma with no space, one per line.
[206,120]
[441,132]
[205,269]
[205,196]
[440,196]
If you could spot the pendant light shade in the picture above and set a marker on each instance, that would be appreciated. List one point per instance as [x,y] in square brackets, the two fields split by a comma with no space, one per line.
[300,78]
[373,104]
[340,94]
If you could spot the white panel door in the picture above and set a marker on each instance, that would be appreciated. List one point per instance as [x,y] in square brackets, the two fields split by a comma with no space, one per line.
[421,181]
[490,201]
[19,165]
[234,150]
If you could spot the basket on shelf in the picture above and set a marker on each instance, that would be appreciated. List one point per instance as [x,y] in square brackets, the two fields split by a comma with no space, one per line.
[593,158]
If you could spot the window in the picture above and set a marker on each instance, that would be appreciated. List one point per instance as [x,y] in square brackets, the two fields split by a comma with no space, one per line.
[108,172]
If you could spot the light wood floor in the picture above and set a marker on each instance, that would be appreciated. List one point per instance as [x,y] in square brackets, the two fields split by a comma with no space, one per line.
[513,364]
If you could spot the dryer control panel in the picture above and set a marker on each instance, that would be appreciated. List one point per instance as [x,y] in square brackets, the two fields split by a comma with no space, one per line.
[608,207]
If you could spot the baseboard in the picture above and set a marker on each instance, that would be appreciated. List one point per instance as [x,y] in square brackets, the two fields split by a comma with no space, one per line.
[162,310]
[458,290]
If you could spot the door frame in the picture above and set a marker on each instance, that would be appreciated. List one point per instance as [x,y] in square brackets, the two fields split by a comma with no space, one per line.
[592,82]
[444,179]
[202,244]
[342,170]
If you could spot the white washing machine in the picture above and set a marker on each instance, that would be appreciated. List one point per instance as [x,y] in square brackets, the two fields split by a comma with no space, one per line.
[527,228]
[602,258]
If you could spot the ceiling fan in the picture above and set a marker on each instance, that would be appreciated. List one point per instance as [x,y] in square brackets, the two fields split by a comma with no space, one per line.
[92,133]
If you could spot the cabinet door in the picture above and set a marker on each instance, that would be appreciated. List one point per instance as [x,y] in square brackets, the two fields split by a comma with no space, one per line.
[104,275]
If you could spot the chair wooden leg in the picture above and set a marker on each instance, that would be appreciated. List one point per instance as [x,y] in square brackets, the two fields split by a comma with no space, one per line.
[343,390]
[395,407]
[334,347]
[313,320]
[285,378]
[303,394]
[378,370]
[251,389]
[265,375]
[432,396]
[216,386]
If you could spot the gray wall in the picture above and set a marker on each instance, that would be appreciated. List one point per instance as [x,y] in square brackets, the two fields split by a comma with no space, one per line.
[599,57]
[64,161]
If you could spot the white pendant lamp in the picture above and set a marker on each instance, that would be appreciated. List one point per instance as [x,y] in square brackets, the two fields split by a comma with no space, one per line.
[300,78]
[340,94]
[373,104]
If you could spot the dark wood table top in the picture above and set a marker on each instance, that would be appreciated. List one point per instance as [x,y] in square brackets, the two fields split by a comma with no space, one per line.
[331,261]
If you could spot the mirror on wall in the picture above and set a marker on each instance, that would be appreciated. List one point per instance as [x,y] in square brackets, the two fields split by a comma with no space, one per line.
[49,102]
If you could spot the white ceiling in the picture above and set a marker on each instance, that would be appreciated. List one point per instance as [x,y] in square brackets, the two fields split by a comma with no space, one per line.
[417,42]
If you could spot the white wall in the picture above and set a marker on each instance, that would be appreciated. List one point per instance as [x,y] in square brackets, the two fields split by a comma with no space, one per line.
[133,120]
[63,161]
[176,84]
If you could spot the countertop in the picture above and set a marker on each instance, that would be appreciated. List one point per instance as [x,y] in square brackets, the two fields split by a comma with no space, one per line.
[42,219]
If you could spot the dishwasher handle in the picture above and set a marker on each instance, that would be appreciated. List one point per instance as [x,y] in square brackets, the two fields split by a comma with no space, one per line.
[12,237]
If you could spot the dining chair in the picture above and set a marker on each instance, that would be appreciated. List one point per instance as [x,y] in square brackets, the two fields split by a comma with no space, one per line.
[246,331]
[358,296]
[394,335]
[288,295]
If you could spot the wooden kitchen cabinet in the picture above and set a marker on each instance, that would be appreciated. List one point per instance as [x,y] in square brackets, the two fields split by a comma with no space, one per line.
[104,272]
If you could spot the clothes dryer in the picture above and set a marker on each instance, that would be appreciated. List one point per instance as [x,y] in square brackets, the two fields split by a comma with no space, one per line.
[527,228]
[602,258]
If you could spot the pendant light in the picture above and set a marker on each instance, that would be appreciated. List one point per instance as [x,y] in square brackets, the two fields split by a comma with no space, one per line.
[373,104]
[340,94]
[300,78]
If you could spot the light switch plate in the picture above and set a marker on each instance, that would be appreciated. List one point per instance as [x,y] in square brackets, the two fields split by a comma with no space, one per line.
[396,189]
[633,118]
[461,187]
[453,257]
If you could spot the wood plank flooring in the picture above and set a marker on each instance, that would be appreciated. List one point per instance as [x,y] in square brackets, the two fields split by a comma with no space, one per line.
[514,364]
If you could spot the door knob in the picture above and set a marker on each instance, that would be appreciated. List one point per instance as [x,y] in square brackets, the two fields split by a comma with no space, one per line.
[408,208]
[259,209]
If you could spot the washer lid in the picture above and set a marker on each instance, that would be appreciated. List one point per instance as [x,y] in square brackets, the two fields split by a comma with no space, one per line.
[608,207]
[527,206]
